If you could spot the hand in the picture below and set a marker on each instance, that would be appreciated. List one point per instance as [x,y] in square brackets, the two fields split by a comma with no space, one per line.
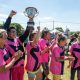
[17,55]
[68,66]
[12,13]
[38,28]
[70,58]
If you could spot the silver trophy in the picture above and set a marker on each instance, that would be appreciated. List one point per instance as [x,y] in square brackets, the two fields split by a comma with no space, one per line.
[31,12]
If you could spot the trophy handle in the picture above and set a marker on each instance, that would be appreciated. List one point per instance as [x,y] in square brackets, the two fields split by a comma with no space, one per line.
[25,14]
[37,13]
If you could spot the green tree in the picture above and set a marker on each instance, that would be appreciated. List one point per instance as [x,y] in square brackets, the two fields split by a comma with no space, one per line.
[59,29]
[1,26]
[18,27]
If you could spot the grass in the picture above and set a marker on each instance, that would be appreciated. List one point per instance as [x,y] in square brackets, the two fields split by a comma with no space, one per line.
[65,77]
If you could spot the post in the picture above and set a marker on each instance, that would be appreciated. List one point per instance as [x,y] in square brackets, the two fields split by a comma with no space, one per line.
[39,23]
[53,24]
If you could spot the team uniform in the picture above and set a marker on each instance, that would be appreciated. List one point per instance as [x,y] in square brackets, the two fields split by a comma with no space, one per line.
[13,45]
[75,52]
[5,58]
[57,67]
[45,57]
[33,60]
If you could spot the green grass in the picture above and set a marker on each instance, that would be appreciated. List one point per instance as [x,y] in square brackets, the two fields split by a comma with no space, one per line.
[65,77]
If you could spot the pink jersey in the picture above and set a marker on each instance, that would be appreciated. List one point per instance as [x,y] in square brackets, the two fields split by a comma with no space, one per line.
[56,67]
[4,56]
[13,46]
[33,57]
[75,51]
[43,44]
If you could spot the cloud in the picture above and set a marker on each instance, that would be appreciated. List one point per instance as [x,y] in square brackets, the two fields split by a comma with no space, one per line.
[3,16]
[20,14]
[45,18]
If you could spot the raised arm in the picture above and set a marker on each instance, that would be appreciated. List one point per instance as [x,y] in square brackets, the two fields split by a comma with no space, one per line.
[36,38]
[25,35]
[8,20]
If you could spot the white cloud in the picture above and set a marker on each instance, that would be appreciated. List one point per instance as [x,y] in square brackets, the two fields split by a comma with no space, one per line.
[45,18]
[3,16]
[20,14]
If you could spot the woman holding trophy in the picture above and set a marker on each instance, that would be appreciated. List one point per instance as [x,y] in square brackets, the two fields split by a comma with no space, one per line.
[14,44]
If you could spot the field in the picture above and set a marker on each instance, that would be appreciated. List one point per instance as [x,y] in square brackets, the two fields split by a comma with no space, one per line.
[65,77]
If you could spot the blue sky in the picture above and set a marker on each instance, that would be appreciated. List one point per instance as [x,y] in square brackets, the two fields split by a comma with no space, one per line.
[61,11]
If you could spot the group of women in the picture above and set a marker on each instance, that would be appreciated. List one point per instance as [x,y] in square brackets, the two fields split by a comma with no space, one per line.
[44,54]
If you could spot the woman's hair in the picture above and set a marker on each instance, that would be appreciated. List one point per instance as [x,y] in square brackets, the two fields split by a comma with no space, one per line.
[61,37]
[9,29]
[32,36]
[1,31]
[44,32]
[75,35]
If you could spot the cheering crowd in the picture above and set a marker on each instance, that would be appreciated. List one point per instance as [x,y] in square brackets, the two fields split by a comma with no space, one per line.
[44,53]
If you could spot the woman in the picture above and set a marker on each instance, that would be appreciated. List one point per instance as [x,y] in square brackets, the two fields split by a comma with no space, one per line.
[44,47]
[58,57]
[5,62]
[33,57]
[75,64]
[14,44]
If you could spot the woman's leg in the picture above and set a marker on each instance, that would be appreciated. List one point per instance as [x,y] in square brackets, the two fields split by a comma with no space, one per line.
[73,71]
[57,77]
[39,75]
[45,70]
[78,74]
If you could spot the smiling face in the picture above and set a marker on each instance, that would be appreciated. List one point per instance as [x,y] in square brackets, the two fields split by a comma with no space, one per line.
[32,36]
[48,36]
[63,42]
[12,33]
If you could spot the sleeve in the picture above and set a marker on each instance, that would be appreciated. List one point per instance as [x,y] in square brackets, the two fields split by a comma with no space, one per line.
[24,36]
[7,23]
[55,52]
[71,48]
[2,62]
[42,45]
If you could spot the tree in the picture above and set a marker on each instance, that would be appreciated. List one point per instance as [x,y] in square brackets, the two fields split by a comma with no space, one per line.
[18,27]
[1,26]
[59,29]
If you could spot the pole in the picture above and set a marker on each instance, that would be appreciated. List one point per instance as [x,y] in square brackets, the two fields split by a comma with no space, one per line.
[39,23]
[53,24]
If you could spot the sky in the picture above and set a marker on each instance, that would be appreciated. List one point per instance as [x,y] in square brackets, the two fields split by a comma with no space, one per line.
[57,13]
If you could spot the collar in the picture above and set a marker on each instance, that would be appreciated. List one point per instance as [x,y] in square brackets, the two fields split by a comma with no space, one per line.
[61,46]
[10,39]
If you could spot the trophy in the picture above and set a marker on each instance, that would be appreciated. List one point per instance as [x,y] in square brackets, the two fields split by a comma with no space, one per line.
[31,12]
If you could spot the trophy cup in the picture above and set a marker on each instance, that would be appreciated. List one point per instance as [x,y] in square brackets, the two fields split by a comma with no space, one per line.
[31,12]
